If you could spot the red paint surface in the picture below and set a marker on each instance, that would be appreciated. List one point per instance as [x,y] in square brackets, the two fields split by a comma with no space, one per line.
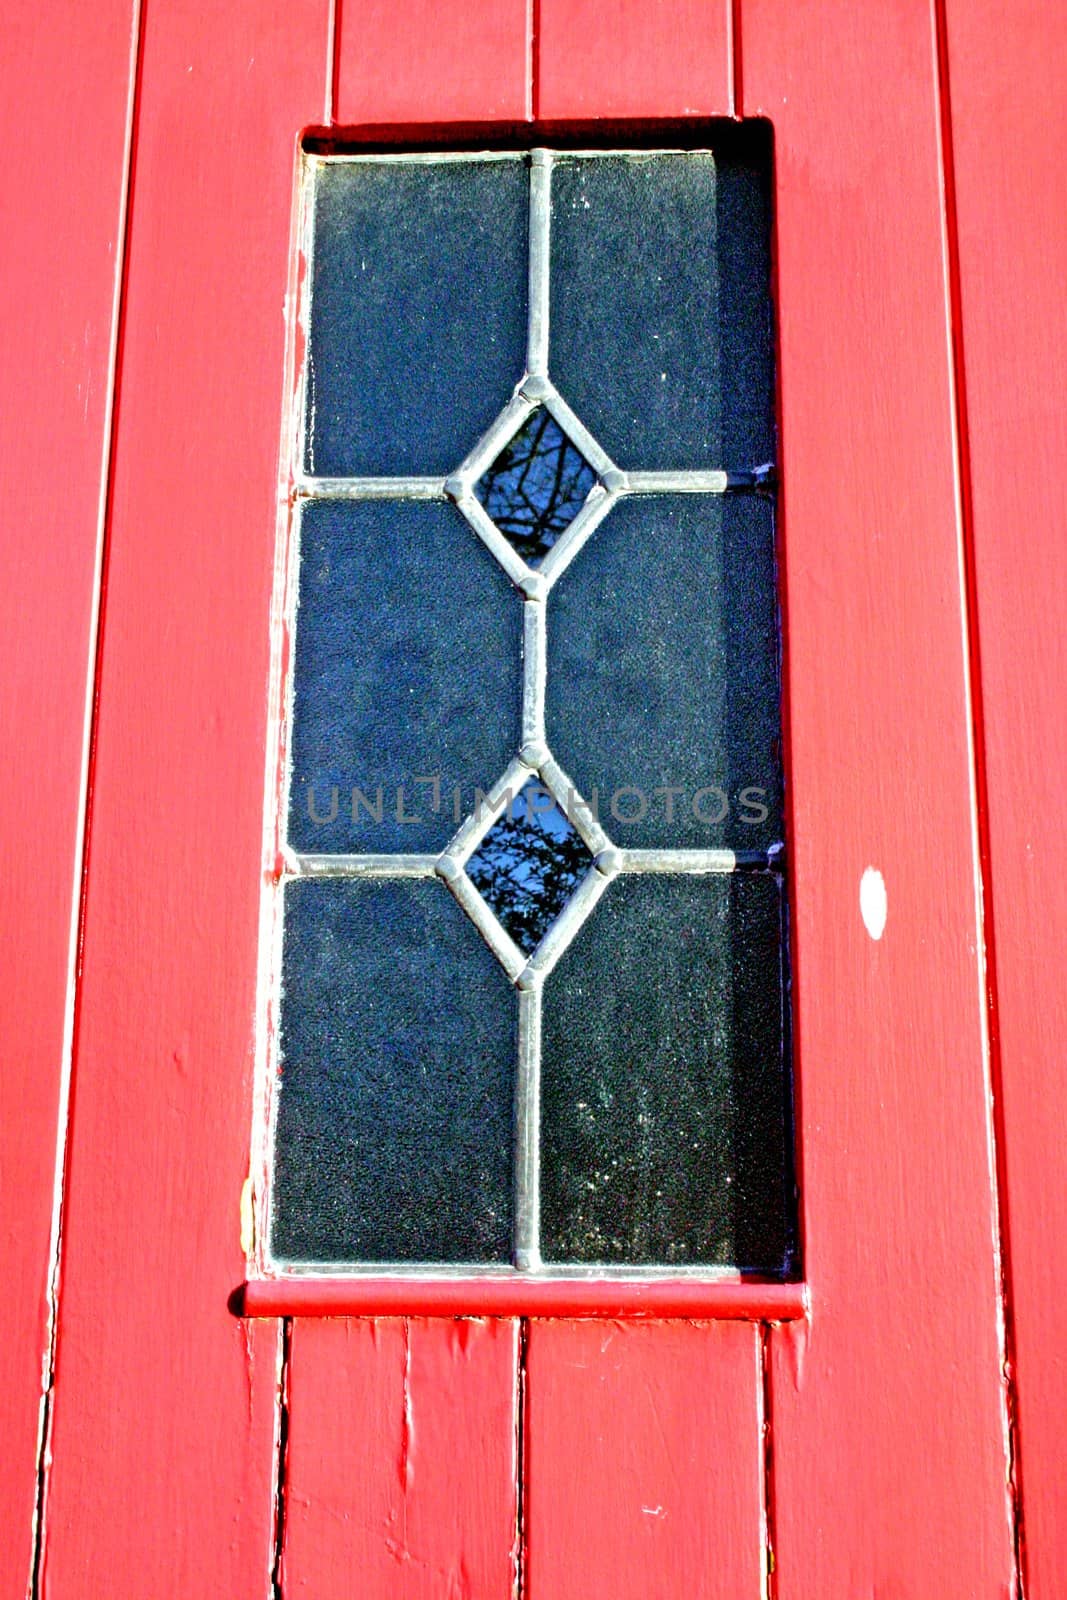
[164,1416]
[411,61]
[645,1467]
[612,58]
[1009,132]
[889,1450]
[644,1461]
[385,1297]
[62,210]
[400,1468]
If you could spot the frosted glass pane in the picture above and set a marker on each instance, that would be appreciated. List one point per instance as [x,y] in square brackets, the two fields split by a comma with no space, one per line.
[418,312]
[398,1047]
[408,663]
[663,673]
[661,325]
[665,1106]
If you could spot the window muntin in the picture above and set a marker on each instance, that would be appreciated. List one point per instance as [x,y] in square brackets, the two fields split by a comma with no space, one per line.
[600,1081]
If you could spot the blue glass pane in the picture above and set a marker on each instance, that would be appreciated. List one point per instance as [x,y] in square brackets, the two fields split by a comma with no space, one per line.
[407,666]
[663,693]
[418,311]
[398,1042]
[536,487]
[665,1126]
[661,323]
[529,864]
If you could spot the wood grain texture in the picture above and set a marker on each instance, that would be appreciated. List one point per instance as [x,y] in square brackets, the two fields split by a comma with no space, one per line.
[611,58]
[644,1461]
[888,1412]
[164,1410]
[62,205]
[409,61]
[1007,78]
[401,1460]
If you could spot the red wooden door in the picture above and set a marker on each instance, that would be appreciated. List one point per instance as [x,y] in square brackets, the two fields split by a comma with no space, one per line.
[900,1438]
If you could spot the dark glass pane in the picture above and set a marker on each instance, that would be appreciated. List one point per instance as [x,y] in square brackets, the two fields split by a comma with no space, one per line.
[408,659]
[418,311]
[529,864]
[661,328]
[663,654]
[398,1043]
[664,1122]
[536,486]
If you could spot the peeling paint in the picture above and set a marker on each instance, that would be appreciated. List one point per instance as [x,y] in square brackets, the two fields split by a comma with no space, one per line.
[248,1217]
[249,1337]
[461,1333]
[407,1423]
[791,1339]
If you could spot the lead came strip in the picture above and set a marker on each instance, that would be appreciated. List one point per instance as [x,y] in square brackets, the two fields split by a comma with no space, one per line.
[369,488]
[534,649]
[540,222]
[363,866]
[527,1132]
[697,861]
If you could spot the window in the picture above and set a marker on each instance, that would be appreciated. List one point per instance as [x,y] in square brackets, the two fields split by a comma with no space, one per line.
[532,981]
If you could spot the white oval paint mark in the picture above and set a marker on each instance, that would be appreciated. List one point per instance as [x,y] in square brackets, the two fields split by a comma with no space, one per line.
[874,903]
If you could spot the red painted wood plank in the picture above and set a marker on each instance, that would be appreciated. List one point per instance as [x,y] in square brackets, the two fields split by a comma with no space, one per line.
[400,1466]
[644,1461]
[516,1297]
[611,58]
[63,205]
[1008,95]
[445,61]
[164,1412]
[889,1441]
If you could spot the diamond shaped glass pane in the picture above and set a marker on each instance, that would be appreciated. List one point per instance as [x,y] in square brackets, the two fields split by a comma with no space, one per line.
[529,864]
[536,486]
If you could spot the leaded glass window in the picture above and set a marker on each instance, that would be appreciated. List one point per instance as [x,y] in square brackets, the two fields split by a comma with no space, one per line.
[532,984]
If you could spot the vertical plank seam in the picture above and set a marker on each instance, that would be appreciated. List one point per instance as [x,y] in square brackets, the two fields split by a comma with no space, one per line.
[533,103]
[766,1421]
[80,876]
[281,1459]
[733,64]
[330,95]
[987,954]
[519,1584]
[333,61]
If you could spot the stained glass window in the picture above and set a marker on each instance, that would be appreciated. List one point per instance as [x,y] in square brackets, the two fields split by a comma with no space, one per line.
[532,983]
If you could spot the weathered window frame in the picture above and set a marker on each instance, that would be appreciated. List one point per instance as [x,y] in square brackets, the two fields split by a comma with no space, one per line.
[528,1286]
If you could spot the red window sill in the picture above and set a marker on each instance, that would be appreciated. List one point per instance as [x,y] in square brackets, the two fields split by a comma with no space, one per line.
[523,1297]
